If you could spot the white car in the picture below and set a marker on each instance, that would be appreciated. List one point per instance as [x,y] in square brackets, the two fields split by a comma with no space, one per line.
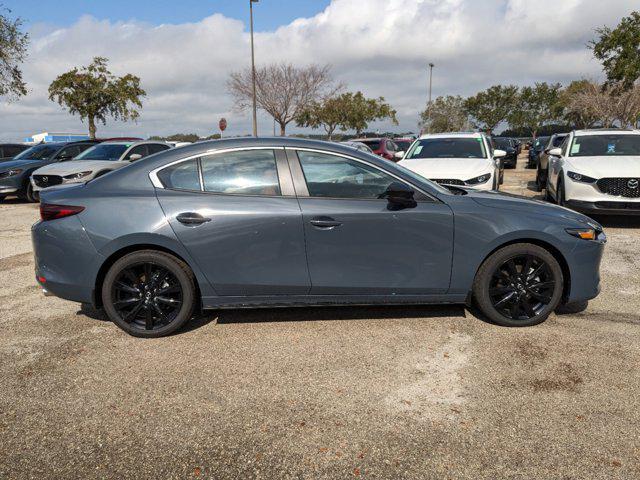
[93,162]
[465,159]
[597,172]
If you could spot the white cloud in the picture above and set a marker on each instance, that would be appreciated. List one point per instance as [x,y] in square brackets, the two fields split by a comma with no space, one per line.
[378,46]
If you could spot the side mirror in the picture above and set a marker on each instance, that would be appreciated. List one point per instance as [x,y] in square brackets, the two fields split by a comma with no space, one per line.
[555,152]
[399,155]
[135,156]
[497,153]
[399,196]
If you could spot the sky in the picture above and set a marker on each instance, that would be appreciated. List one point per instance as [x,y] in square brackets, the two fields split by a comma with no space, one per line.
[184,52]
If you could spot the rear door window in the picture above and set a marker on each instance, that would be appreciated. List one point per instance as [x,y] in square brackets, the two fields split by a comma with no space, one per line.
[245,172]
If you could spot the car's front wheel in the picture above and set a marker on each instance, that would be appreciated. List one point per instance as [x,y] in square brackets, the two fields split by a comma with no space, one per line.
[30,195]
[518,285]
[149,293]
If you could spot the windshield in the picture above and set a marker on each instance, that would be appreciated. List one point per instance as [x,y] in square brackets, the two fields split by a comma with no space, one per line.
[448,148]
[502,142]
[103,152]
[541,142]
[403,145]
[605,145]
[372,144]
[39,152]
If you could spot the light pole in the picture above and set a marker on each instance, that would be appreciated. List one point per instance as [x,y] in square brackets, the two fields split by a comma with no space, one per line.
[431,65]
[253,71]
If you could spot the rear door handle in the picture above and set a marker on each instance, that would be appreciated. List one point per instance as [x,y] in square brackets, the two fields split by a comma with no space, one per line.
[327,223]
[192,218]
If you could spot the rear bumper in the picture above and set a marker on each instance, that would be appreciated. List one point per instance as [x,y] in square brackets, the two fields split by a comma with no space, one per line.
[66,262]
[605,207]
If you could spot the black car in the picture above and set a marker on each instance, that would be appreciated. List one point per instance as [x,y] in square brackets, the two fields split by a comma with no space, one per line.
[534,151]
[543,159]
[10,150]
[15,173]
[507,144]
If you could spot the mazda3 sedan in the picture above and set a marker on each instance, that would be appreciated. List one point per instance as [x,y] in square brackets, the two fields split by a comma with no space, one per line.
[290,222]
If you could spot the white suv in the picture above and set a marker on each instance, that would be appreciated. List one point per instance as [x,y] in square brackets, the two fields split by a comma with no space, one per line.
[597,171]
[94,162]
[464,159]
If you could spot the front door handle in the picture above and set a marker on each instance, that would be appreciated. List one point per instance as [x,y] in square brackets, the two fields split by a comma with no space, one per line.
[326,223]
[192,218]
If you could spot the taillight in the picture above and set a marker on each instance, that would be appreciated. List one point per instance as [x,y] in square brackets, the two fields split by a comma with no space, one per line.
[50,211]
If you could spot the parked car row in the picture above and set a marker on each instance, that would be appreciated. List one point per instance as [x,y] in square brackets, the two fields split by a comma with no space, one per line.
[49,164]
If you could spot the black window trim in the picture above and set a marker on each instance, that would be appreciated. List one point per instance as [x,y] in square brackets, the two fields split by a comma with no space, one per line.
[282,168]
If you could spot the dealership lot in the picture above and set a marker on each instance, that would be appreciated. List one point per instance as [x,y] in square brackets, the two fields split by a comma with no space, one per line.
[323,392]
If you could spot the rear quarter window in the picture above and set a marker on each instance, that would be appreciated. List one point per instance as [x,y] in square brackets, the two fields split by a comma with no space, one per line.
[181,176]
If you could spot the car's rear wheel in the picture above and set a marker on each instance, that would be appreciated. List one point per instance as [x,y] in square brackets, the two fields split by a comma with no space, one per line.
[518,285]
[560,194]
[149,293]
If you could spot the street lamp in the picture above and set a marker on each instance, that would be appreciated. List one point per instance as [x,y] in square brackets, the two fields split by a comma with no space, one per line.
[431,65]
[253,70]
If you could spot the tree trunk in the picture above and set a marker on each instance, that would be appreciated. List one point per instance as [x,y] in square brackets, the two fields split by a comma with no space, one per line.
[283,128]
[329,129]
[92,128]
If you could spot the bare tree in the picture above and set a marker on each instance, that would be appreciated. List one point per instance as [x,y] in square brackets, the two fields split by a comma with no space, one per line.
[607,105]
[282,90]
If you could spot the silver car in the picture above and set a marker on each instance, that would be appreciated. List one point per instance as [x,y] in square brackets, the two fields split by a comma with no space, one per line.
[94,162]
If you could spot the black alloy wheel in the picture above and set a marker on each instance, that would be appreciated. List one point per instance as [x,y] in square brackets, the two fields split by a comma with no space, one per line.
[522,287]
[518,285]
[149,294]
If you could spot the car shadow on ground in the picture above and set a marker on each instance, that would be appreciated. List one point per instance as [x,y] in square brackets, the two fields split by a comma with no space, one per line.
[618,221]
[305,314]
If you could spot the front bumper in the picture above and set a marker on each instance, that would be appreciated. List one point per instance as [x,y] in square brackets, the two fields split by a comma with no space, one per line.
[4,190]
[604,207]
[584,265]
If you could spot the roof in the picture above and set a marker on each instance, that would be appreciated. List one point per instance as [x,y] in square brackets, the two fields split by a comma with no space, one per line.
[453,134]
[133,142]
[606,131]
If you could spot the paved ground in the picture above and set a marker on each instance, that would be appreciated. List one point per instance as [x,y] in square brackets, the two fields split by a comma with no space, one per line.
[402,392]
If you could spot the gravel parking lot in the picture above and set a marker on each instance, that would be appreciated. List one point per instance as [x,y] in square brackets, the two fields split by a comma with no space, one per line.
[413,392]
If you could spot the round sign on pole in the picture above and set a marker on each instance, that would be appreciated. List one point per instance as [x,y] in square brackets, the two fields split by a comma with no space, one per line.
[222,124]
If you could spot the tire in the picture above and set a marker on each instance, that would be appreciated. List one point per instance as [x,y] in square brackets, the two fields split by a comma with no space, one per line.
[560,199]
[30,195]
[538,181]
[149,294]
[518,300]
[2,197]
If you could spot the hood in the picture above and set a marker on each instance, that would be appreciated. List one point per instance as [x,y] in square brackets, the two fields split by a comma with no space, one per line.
[456,168]
[67,168]
[8,165]
[509,201]
[605,166]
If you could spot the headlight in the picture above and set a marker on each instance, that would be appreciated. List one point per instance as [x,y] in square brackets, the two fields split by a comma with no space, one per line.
[578,177]
[77,176]
[478,180]
[588,233]
[11,173]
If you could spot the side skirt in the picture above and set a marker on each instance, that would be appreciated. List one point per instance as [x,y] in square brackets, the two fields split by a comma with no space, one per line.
[328,300]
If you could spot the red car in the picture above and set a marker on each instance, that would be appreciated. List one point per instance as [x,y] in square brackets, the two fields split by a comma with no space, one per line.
[384,147]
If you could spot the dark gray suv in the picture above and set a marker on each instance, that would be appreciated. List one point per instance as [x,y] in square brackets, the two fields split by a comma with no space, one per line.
[278,221]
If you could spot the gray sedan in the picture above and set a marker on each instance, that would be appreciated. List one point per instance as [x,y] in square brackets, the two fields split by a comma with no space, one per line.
[272,222]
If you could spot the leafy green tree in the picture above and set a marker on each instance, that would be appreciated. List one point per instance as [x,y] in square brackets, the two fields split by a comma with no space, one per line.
[329,114]
[536,106]
[348,111]
[13,50]
[577,113]
[492,106]
[94,93]
[361,111]
[447,114]
[619,50]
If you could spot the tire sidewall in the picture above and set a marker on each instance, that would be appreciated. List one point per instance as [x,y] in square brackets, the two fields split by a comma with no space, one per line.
[161,259]
[485,273]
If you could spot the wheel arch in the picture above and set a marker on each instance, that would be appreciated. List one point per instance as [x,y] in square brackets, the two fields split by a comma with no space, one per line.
[115,256]
[557,254]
